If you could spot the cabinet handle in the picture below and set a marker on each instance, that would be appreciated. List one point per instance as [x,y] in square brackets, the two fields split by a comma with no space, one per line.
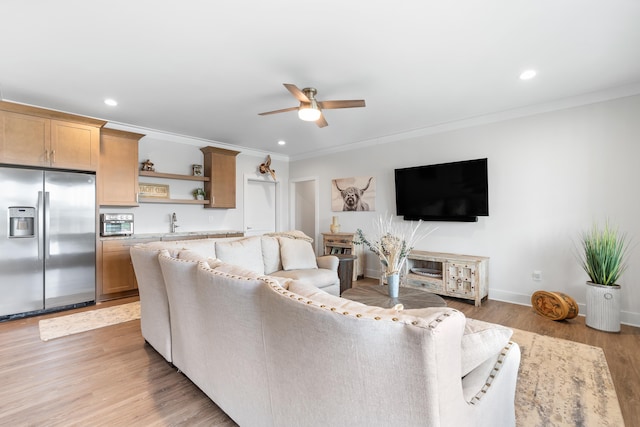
[53,156]
[46,155]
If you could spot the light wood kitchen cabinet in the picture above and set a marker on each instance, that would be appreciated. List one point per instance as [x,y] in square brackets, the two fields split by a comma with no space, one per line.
[115,270]
[118,173]
[37,137]
[24,140]
[220,167]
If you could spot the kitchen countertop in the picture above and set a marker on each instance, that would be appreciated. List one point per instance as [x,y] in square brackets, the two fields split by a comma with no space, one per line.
[185,234]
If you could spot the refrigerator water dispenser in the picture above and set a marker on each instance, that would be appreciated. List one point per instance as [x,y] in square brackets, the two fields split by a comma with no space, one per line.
[22,221]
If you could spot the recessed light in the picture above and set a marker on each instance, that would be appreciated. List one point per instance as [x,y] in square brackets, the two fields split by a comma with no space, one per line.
[527,75]
[111,102]
[281,142]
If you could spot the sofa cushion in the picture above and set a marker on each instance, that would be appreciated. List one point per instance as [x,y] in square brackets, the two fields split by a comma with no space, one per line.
[296,254]
[271,254]
[318,276]
[189,255]
[246,253]
[233,270]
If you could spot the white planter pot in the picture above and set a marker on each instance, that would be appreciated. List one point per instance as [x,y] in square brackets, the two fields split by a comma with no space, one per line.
[603,307]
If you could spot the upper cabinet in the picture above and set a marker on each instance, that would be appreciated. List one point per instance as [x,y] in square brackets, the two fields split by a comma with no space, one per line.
[220,166]
[37,137]
[118,175]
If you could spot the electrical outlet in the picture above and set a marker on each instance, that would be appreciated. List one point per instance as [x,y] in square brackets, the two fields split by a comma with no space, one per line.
[211,219]
[536,275]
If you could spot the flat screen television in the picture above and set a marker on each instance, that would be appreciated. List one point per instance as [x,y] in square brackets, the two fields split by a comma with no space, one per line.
[457,191]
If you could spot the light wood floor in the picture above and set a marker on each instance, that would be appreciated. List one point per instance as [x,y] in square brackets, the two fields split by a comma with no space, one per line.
[110,377]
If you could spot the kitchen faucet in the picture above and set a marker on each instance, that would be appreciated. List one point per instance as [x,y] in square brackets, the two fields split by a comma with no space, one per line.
[173,221]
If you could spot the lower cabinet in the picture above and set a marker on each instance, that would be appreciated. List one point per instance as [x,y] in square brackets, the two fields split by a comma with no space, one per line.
[116,278]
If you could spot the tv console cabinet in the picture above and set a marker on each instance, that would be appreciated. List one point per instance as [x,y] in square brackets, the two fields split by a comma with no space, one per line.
[453,275]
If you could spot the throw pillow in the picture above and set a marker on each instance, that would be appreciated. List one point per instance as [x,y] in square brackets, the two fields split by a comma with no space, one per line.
[481,341]
[297,254]
[245,253]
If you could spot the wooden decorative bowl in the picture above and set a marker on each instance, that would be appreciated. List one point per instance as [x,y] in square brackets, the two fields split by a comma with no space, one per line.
[554,305]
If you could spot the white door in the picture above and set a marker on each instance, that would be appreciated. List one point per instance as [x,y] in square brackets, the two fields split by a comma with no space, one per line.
[259,207]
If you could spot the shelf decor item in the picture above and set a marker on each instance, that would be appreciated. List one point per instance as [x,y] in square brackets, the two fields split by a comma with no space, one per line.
[392,245]
[199,193]
[335,225]
[153,190]
[603,258]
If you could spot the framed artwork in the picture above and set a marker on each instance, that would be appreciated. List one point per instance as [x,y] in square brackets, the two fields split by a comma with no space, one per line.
[160,191]
[357,193]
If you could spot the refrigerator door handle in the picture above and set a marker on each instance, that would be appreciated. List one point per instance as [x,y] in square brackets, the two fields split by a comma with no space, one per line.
[40,224]
[47,224]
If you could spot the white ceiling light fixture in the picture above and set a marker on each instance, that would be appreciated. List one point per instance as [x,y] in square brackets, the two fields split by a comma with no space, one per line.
[309,112]
[528,74]
[281,142]
[111,102]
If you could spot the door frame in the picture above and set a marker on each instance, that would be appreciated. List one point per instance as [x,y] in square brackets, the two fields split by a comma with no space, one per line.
[292,205]
[248,178]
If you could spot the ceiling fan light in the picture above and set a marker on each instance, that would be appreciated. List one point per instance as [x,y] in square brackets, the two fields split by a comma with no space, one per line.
[308,114]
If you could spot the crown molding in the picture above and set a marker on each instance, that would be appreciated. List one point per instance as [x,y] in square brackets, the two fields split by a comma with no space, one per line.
[531,110]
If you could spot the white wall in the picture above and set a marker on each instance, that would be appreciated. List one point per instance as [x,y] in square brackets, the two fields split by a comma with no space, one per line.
[550,176]
[176,154]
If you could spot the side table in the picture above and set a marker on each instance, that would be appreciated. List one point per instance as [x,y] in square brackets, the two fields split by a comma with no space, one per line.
[379,296]
[345,270]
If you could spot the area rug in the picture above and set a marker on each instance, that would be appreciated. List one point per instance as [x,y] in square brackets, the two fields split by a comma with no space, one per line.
[87,320]
[563,383]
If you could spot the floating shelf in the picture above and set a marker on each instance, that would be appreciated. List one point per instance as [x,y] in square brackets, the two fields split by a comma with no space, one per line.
[174,176]
[177,201]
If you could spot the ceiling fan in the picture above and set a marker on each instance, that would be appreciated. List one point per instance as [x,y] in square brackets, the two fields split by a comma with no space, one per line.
[310,108]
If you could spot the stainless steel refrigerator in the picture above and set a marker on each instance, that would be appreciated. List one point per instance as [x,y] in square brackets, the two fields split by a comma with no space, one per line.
[47,240]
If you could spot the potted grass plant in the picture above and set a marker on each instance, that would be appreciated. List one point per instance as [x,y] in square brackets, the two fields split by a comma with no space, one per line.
[603,258]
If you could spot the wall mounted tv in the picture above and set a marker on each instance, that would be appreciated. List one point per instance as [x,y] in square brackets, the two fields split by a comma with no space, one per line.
[457,191]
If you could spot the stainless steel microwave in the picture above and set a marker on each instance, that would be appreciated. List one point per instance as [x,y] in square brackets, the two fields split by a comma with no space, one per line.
[116,224]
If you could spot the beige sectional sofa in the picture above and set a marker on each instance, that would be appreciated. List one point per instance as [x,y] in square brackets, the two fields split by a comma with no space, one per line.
[287,255]
[273,352]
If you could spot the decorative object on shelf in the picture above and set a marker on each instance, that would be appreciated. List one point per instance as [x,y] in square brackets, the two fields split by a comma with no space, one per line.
[348,194]
[603,258]
[554,305]
[335,226]
[393,282]
[266,168]
[428,272]
[196,170]
[199,193]
[393,243]
[147,165]
[153,190]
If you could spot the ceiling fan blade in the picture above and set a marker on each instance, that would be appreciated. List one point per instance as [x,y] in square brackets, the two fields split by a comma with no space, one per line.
[322,122]
[328,105]
[284,110]
[300,96]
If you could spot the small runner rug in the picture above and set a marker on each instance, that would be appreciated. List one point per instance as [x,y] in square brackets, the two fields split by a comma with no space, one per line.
[563,383]
[87,320]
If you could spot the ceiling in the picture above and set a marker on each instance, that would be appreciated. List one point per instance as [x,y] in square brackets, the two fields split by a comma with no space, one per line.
[206,69]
